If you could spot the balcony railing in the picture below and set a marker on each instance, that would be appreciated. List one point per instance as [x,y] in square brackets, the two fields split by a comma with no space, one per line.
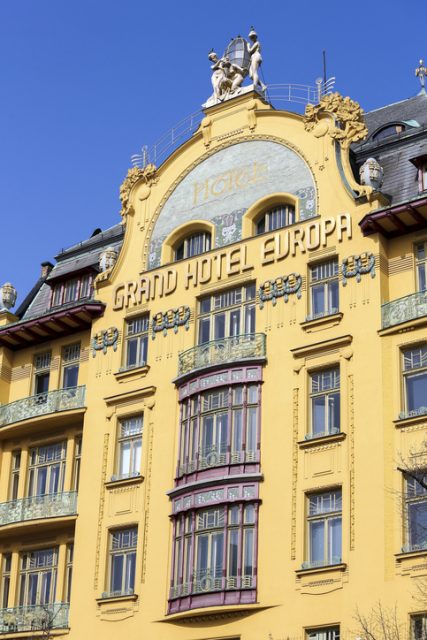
[404,309]
[52,505]
[248,346]
[206,582]
[42,404]
[39,617]
[210,457]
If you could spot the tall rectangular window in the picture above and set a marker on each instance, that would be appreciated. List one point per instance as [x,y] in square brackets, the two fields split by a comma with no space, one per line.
[77,463]
[415,379]
[69,571]
[324,294]
[5,579]
[416,513]
[122,561]
[136,342]
[70,365]
[14,475]
[129,447]
[324,520]
[37,576]
[41,375]
[227,314]
[46,469]
[325,402]
[421,265]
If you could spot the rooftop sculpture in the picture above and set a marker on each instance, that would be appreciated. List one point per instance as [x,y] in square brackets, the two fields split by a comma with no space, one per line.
[241,59]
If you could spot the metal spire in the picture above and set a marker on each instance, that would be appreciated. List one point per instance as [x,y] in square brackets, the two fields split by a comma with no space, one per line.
[421,73]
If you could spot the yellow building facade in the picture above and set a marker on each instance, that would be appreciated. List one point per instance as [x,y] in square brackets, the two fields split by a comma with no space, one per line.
[203,410]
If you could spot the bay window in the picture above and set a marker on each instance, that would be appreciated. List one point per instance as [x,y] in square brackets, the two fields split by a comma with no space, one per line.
[218,427]
[72,290]
[214,550]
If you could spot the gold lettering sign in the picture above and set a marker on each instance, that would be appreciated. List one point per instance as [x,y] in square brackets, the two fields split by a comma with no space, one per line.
[233,261]
[229,181]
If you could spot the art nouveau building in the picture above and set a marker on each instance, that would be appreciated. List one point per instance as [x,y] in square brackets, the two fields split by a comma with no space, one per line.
[203,408]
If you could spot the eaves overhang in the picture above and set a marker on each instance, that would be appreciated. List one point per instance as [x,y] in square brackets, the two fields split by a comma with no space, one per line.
[57,323]
[396,220]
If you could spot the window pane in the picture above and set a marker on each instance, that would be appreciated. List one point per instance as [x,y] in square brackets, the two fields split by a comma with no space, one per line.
[219,326]
[130,572]
[333,296]
[248,552]
[418,523]
[117,572]
[318,414]
[317,541]
[124,464]
[334,412]
[416,391]
[335,540]
[233,553]
[71,375]
[318,299]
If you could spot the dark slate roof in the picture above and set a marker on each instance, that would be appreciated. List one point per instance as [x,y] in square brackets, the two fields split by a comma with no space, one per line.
[395,152]
[82,256]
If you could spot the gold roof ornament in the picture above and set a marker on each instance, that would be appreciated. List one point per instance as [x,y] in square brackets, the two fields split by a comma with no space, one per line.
[421,73]
[148,174]
[349,124]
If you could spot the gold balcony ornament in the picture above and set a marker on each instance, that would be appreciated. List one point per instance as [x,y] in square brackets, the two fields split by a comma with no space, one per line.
[7,296]
[148,175]
[349,124]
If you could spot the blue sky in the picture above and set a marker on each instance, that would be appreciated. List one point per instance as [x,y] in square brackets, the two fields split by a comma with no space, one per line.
[85,83]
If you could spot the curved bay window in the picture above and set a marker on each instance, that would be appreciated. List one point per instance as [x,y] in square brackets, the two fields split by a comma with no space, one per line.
[220,427]
[276,218]
[193,245]
[214,550]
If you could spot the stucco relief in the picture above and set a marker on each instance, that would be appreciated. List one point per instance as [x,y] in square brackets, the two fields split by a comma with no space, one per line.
[221,188]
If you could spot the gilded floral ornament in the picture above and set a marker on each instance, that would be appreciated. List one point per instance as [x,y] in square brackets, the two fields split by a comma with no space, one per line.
[348,115]
[148,175]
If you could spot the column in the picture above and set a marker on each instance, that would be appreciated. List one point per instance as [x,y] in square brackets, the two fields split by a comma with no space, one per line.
[14,580]
[69,463]
[23,470]
[60,577]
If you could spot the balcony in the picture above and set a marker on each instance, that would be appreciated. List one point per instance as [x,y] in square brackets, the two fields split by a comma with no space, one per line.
[249,346]
[42,404]
[404,309]
[53,505]
[32,618]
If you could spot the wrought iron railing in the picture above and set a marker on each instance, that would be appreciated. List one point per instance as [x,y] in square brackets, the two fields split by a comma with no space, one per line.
[38,617]
[234,349]
[210,457]
[207,582]
[52,505]
[42,404]
[404,309]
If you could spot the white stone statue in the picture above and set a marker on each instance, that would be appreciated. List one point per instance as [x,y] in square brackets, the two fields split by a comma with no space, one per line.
[226,77]
[254,50]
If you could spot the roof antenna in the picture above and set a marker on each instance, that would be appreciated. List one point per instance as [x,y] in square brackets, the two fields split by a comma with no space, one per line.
[421,73]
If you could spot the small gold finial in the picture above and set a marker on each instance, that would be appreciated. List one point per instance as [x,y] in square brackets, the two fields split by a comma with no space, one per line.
[421,73]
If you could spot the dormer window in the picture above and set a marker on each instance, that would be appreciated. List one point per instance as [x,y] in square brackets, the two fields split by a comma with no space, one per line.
[276,218]
[193,245]
[389,130]
[72,290]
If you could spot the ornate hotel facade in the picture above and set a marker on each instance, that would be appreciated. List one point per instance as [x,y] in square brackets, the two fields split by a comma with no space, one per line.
[213,415]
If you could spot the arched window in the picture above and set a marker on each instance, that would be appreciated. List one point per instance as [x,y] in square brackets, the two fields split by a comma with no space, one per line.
[276,218]
[193,245]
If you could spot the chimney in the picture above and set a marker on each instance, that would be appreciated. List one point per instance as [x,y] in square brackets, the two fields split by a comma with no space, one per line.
[46,269]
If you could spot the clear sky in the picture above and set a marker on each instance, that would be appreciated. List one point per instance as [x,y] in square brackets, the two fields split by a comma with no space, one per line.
[85,83]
